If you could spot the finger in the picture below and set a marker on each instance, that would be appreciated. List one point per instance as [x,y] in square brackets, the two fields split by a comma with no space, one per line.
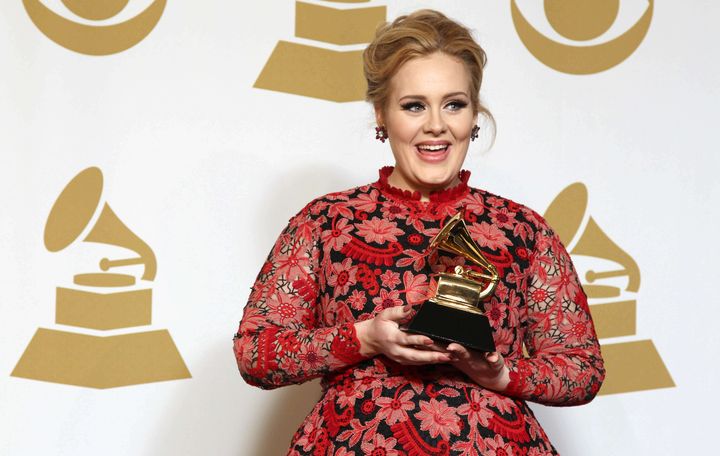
[437,347]
[458,351]
[409,339]
[397,313]
[493,357]
[406,318]
[407,355]
[419,355]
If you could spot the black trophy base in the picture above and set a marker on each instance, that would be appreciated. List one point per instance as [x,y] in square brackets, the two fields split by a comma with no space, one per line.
[447,324]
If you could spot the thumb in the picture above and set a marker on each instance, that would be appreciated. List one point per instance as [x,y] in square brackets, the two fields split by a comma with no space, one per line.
[492,357]
[458,350]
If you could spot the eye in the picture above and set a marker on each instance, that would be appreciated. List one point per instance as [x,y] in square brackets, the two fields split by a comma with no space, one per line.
[413,106]
[456,105]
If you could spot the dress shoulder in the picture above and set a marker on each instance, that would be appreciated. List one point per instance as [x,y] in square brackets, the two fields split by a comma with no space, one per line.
[518,210]
[322,205]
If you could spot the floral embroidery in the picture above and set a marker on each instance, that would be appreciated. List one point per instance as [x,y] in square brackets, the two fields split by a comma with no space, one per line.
[378,230]
[489,236]
[438,418]
[347,256]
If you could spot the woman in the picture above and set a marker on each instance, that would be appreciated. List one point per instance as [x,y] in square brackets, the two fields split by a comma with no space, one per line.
[351,267]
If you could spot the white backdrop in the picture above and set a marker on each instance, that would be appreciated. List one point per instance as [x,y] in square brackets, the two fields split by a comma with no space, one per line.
[207,170]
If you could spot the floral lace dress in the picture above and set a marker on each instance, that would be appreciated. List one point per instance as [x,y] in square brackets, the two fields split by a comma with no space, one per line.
[348,255]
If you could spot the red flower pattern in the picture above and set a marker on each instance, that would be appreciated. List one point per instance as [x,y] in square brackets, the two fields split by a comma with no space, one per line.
[342,277]
[378,230]
[476,410]
[350,254]
[387,299]
[489,236]
[337,236]
[502,218]
[357,300]
[394,409]
[380,446]
[438,419]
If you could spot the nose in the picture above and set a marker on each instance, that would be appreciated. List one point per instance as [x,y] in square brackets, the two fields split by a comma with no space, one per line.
[435,122]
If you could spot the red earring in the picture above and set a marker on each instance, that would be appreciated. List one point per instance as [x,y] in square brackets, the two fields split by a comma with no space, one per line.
[381,134]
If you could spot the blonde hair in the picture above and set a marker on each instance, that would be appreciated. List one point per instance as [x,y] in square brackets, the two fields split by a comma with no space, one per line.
[419,34]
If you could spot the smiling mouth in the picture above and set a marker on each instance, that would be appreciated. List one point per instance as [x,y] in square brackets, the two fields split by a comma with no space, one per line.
[433,153]
[433,147]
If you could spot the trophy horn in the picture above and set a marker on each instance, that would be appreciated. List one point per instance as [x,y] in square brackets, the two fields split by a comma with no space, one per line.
[454,238]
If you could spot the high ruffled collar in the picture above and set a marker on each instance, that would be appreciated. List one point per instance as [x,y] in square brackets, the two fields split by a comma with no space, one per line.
[437,196]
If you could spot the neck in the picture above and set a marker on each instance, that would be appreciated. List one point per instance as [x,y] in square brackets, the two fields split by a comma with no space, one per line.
[397,179]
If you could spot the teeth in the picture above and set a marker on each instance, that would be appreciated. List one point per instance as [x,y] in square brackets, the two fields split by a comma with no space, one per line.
[432,148]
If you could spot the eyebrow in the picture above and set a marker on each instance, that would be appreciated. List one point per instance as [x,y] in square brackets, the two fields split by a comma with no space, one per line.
[422,97]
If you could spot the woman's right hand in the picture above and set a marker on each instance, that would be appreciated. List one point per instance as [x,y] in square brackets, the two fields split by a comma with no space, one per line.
[382,335]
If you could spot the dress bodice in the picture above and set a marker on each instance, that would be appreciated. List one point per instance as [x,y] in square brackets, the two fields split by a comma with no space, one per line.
[348,255]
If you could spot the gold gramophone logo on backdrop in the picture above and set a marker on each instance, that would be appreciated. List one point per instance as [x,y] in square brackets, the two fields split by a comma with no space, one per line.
[100,301]
[329,66]
[631,366]
[581,20]
[102,39]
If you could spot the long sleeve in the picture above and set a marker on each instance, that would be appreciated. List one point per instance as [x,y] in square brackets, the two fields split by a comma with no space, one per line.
[564,366]
[281,339]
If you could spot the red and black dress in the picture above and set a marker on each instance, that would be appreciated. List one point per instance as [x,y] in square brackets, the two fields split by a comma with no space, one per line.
[348,255]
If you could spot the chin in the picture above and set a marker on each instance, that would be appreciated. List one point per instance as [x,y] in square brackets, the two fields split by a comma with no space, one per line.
[437,180]
[438,175]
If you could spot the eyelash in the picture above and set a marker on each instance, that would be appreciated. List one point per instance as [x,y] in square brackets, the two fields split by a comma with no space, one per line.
[410,106]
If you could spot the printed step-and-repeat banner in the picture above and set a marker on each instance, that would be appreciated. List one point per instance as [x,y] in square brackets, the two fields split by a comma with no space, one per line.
[152,150]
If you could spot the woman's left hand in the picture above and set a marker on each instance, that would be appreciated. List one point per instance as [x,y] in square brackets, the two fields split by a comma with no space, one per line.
[486,369]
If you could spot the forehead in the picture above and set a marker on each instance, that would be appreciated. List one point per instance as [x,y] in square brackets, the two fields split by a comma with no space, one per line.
[430,76]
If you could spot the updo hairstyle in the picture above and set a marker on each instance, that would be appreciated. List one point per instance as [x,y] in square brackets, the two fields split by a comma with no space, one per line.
[420,34]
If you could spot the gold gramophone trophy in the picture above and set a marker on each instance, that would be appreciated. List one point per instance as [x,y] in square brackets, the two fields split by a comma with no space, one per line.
[454,314]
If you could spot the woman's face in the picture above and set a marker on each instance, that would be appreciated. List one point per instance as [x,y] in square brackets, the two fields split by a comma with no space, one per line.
[429,120]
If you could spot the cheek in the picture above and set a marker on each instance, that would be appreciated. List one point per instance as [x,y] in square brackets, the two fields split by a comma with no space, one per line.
[462,127]
[405,131]
[403,128]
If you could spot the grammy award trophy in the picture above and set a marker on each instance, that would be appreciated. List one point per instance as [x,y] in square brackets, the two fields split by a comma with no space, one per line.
[454,314]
